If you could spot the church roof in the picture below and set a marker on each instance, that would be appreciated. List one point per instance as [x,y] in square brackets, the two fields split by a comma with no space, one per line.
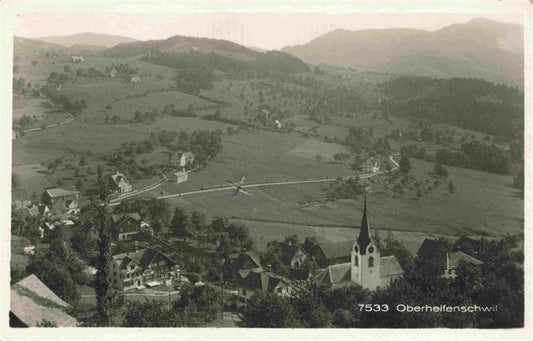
[334,274]
[364,234]
[389,266]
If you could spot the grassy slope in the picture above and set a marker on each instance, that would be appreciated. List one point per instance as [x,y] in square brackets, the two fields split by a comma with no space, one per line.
[483,203]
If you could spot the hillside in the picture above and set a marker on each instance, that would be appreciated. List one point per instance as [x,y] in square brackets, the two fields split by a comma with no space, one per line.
[87,38]
[482,48]
[23,46]
[182,44]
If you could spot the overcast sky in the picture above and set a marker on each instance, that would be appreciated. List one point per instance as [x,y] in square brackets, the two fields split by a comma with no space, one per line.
[267,31]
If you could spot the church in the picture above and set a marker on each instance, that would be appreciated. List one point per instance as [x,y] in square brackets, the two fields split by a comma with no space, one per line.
[366,268]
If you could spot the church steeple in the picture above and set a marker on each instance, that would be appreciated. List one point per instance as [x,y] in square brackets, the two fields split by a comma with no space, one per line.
[364,238]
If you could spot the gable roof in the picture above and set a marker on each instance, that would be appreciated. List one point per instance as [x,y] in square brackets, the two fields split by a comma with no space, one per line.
[455,258]
[247,255]
[430,248]
[334,274]
[389,266]
[60,192]
[32,301]
[289,251]
[118,177]
[337,250]
[143,257]
[258,279]
[468,245]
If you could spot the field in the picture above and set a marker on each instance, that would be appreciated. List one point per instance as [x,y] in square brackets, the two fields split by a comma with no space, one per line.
[483,204]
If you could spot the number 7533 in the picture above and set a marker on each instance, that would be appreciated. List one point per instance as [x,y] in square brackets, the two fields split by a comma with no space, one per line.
[374,307]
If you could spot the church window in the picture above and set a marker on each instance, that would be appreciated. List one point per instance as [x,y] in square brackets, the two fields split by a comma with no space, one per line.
[371,249]
[356,249]
[370,262]
[356,261]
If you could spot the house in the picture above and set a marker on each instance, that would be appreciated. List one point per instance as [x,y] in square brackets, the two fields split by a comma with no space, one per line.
[72,208]
[119,183]
[371,165]
[186,159]
[293,255]
[141,268]
[32,302]
[469,246]
[127,225]
[334,253]
[259,280]
[366,267]
[52,195]
[432,248]
[181,177]
[135,79]
[77,59]
[246,260]
[113,73]
[453,260]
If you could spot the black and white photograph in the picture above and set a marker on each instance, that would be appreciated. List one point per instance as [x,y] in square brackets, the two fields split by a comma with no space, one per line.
[225,167]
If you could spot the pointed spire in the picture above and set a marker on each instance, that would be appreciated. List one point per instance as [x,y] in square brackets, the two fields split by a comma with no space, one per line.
[364,233]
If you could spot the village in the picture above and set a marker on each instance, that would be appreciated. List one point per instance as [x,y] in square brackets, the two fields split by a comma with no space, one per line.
[196,182]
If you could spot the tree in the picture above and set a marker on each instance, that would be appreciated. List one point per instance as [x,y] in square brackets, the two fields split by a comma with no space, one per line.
[179,226]
[341,157]
[109,107]
[107,118]
[17,274]
[104,295]
[451,187]
[83,161]
[115,119]
[56,277]
[268,310]
[405,164]
[318,158]
[66,68]
[440,170]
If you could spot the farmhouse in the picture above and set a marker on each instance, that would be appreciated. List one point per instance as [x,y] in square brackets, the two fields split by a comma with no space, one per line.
[119,183]
[186,159]
[52,195]
[469,246]
[258,280]
[135,79]
[371,165]
[453,260]
[293,255]
[366,268]
[127,225]
[143,267]
[77,59]
[181,177]
[32,302]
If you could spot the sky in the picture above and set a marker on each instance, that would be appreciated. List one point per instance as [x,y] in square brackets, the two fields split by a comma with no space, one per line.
[263,30]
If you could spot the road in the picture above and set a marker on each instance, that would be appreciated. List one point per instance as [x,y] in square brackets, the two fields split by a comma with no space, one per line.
[115,202]
[50,125]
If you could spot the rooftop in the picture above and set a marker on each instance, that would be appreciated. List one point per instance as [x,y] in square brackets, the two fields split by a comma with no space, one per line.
[60,192]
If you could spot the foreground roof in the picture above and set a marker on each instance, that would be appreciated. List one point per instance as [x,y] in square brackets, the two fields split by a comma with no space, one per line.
[389,266]
[32,301]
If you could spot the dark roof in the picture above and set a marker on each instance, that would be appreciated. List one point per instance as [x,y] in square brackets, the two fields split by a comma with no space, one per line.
[468,245]
[364,238]
[143,257]
[430,248]
[389,266]
[245,256]
[289,251]
[32,301]
[298,274]
[337,250]
[258,279]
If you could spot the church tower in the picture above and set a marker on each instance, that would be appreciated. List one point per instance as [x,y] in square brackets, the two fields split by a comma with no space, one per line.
[365,269]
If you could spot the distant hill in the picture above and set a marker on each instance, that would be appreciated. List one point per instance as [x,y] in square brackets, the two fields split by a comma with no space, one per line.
[479,48]
[88,38]
[183,44]
[31,46]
